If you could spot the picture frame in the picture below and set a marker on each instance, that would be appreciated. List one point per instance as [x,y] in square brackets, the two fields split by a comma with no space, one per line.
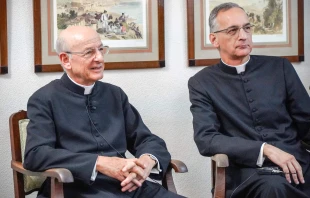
[202,54]
[3,38]
[149,53]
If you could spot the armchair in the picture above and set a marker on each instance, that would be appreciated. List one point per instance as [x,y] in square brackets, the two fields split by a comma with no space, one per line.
[26,182]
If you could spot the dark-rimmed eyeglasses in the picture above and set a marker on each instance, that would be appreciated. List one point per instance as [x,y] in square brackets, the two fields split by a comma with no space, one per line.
[233,30]
[91,52]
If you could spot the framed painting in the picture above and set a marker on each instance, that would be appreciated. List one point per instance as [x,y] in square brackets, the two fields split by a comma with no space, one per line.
[133,29]
[278,29]
[3,38]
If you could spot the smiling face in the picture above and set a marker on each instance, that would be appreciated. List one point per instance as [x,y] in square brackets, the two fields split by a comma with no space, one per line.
[234,50]
[82,69]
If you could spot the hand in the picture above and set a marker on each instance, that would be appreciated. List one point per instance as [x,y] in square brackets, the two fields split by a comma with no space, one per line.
[112,167]
[144,164]
[286,161]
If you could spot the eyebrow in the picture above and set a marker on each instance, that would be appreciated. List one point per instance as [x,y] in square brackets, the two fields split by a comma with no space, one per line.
[235,26]
[88,48]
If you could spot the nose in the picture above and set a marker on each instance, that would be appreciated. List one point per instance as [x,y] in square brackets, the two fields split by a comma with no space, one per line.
[98,55]
[242,34]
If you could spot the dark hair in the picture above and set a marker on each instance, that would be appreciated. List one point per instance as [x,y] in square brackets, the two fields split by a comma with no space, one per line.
[213,14]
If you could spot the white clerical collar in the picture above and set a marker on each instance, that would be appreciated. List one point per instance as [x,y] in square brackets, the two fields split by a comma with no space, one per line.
[239,68]
[87,89]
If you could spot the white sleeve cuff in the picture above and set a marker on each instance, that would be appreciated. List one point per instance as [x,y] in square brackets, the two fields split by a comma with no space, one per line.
[155,170]
[94,174]
[261,157]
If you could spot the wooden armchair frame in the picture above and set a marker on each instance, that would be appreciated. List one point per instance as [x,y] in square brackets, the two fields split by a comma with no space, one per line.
[60,175]
[219,163]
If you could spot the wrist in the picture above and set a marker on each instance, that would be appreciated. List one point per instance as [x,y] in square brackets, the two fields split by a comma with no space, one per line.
[153,159]
[100,162]
[267,150]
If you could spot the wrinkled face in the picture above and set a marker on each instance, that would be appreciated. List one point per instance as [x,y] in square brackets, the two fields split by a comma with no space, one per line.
[83,68]
[237,46]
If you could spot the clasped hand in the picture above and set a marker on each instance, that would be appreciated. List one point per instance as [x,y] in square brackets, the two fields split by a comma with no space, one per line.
[130,172]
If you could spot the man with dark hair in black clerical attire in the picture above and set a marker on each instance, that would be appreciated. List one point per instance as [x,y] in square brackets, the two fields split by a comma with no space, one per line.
[254,109]
[86,126]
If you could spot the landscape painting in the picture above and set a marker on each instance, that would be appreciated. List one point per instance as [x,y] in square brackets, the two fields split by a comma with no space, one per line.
[120,23]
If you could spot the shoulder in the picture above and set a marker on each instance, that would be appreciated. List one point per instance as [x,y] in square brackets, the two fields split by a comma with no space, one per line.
[272,59]
[46,93]
[48,89]
[108,87]
[205,72]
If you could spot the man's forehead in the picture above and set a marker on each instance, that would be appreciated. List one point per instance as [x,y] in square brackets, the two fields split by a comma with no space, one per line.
[233,17]
[79,42]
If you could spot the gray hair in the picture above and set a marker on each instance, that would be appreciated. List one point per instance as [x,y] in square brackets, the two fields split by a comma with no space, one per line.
[61,45]
[222,7]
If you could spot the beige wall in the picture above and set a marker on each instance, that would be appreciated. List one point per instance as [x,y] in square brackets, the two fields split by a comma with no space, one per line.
[160,95]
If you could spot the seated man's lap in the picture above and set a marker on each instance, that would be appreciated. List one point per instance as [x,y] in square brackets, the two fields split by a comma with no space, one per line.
[246,182]
[154,190]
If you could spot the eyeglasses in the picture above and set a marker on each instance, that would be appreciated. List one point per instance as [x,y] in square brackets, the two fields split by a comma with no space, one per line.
[235,29]
[91,52]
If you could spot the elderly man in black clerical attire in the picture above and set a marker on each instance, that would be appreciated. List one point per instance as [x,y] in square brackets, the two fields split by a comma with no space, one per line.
[82,124]
[254,109]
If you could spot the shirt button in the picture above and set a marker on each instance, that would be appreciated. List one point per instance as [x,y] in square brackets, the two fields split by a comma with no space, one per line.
[265,135]
[242,73]
[101,144]
[257,120]
[254,110]
[245,80]
[97,134]
[248,90]
[251,100]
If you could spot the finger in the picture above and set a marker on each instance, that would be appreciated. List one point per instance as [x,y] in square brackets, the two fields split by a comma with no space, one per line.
[128,179]
[287,173]
[141,164]
[299,171]
[120,177]
[293,172]
[133,188]
[139,171]
[137,182]
[129,165]
[128,186]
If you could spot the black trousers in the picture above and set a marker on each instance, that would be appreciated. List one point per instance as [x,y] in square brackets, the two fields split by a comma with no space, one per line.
[109,190]
[150,189]
[246,182]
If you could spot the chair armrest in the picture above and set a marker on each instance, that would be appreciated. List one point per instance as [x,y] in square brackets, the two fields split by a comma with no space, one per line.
[221,160]
[178,166]
[63,175]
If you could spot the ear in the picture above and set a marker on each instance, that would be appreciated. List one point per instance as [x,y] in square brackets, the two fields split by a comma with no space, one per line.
[214,40]
[65,60]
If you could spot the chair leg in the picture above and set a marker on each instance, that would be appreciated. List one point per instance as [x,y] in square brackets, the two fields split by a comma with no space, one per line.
[56,189]
[219,188]
[168,181]
[18,184]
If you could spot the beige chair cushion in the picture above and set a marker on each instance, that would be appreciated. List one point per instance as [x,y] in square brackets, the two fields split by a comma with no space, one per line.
[30,182]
